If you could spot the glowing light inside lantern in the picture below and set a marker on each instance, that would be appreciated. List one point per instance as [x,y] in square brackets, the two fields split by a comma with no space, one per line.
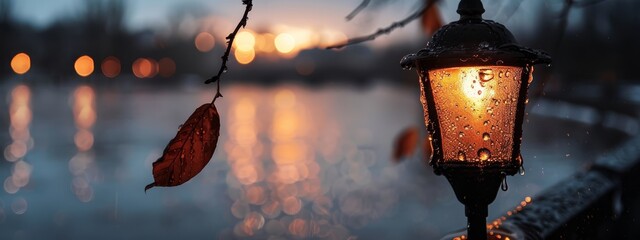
[476,110]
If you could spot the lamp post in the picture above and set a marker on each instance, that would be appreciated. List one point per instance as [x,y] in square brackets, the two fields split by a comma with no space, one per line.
[474,79]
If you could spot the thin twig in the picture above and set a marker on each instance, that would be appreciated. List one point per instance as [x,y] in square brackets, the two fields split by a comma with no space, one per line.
[230,38]
[587,3]
[358,9]
[386,30]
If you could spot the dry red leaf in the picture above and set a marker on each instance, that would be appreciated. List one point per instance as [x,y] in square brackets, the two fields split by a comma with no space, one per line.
[431,20]
[406,143]
[190,150]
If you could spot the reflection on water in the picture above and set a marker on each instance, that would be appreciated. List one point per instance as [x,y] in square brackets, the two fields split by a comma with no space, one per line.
[20,118]
[291,163]
[82,165]
[288,188]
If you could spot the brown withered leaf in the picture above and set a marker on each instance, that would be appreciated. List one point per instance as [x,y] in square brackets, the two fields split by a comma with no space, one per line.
[431,20]
[190,150]
[406,143]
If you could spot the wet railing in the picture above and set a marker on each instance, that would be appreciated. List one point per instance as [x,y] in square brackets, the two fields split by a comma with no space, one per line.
[600,202]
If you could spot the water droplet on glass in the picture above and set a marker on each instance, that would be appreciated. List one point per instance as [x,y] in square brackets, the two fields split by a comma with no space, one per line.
[485,74]
[499,62]
[461,134]
[467,127]
[461,156]
[485,136]
[479,92]
[507,74]
[484,154]
[500,74]
[486,123]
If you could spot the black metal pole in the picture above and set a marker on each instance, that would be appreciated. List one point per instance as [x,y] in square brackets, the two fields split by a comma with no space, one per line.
[476,221]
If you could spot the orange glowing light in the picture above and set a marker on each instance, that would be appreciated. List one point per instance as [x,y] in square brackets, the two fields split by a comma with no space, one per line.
[167,67]
[145,68]
[245,41]
[21,63]
[84,66]
[111,67]
[204,42]
[285,43]
[477,104]
[244,57]
[265,43]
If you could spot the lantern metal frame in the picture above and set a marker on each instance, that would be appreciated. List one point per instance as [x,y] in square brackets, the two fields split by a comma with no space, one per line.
[474,42]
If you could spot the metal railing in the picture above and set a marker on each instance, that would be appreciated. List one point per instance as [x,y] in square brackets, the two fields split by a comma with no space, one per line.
[598,203]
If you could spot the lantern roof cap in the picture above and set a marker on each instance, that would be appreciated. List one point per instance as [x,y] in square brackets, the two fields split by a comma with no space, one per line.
[473,41]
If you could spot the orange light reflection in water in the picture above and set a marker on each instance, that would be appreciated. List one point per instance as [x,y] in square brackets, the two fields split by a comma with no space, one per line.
[306,183]
[20,116]
[82,165]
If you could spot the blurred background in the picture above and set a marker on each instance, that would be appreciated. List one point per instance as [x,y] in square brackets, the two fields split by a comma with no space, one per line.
[94,89]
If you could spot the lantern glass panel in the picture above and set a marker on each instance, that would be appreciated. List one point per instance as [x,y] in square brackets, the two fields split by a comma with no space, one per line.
[476,109]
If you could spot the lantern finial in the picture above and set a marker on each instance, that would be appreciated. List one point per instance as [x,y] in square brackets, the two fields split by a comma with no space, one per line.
[470,9]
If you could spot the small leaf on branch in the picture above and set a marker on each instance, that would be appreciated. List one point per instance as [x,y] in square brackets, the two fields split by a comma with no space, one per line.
[190,150]
[405,143]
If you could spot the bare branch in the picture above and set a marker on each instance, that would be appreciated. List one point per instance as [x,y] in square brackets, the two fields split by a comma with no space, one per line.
[230,38]
[587,3]
[387,30]
[358,9]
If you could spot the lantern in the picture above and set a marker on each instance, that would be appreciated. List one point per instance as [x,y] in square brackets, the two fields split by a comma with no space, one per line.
[473,80]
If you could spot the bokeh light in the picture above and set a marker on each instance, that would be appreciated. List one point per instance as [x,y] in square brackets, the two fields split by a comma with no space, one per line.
[244,57]
[21,63]
[145,68]
[82,165]
[111,67]
[265,43]
[285,43]
[166,67]
[84,66]
[245,41]
[204,42]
